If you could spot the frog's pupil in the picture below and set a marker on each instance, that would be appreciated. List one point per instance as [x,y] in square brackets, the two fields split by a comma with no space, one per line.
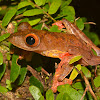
[30,40]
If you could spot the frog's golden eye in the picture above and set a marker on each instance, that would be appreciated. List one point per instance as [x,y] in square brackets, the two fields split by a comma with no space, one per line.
[32,40]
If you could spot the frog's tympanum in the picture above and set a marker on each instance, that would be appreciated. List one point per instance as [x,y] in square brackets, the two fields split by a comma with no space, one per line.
[64,46]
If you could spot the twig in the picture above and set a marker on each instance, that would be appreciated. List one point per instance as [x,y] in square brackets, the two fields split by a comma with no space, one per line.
[45,13]
[95,71]
[35,74]
[90,23]
[45,72]
[86,89]
[87,83]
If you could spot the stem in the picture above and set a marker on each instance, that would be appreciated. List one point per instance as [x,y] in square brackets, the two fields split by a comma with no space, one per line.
[84,93]
[45,13]
[87,83]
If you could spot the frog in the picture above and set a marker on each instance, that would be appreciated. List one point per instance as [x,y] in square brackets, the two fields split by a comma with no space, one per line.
[64,46]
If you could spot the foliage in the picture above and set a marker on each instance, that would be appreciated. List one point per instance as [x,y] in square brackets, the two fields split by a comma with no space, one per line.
[37,12]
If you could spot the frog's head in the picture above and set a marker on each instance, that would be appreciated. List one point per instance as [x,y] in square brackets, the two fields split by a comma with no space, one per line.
[27,38]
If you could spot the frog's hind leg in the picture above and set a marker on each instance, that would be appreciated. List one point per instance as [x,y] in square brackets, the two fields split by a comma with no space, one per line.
[59,77]
[95,60]
[63,69]
[66,69]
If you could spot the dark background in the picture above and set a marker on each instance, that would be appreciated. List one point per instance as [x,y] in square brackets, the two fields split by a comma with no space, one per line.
[89,9]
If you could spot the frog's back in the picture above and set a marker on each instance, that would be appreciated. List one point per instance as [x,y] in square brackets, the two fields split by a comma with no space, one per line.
[59,41]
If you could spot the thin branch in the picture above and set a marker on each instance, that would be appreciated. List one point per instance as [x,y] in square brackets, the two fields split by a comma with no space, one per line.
[35,74]
[86,89]
[87,83]
[45,13]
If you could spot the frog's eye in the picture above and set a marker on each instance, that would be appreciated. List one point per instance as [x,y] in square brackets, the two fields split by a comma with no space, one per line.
[32,40]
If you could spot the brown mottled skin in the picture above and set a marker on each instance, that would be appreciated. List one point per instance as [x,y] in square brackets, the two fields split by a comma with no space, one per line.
[73,29]
[50,41]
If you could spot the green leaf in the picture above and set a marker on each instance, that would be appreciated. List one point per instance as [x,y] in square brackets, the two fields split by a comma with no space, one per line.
[46,7]
[78,85]
[15,68]
[3,89]
[38,69]
[8,16]
[33,12]
[86,72]
[4,36]
[9,85]
[73,94]
[54,28]
[1,58]
[54,6]
[34,81]
[8,55]
[80,23]
[24,4]
[49,95]
[23,20]
[68,10]
[74,72]
[22,75]
[88,96]
[70,18]
[33,22]
[76,58]
[94,52]
[35,92]
[93,36]
[97,81]
[38,26]
[65,3]
[40,2]
[63,96]
[2,70]
[20,11]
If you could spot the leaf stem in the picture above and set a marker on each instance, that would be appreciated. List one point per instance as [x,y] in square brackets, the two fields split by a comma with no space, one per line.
[45,12]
